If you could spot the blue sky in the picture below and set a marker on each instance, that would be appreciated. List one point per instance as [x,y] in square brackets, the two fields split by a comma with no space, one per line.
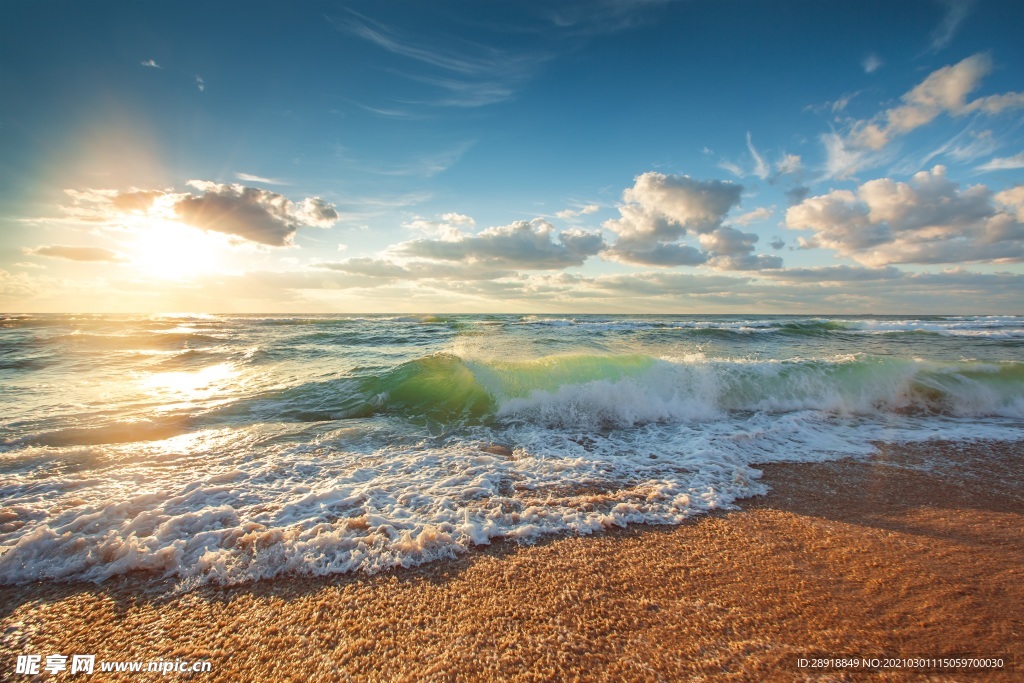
[521,156]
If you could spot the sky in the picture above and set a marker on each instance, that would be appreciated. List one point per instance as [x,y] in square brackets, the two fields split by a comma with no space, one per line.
[643,156]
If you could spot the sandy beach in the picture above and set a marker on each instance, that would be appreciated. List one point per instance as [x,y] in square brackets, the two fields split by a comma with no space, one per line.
[916,552]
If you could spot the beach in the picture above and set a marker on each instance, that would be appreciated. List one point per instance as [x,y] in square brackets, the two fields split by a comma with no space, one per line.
[915,552]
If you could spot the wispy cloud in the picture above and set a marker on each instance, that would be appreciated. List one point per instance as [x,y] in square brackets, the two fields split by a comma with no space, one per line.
[1004,163]
[946,91]
[200,83]
[467,74]
[427,165]
[248,177]
[956,12]
[872,63]
[758,214]
[151,64]
[69,253]
[761,168]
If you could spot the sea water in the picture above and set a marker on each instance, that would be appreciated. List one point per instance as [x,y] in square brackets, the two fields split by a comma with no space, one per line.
[232,448]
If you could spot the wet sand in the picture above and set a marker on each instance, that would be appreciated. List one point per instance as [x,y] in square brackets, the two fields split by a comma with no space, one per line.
[915,552]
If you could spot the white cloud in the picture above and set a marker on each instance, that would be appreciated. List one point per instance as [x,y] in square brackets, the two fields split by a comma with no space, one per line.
[943,91]
[249,178]
[928,220]
[872,63]
[661,210]
[761,168]
[449,228]
[151,64]
[570,213]
[758,214]
[789,163]
[200,83]
[1003,163]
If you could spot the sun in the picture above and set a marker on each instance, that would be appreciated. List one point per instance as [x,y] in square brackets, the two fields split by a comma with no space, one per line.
[167,249]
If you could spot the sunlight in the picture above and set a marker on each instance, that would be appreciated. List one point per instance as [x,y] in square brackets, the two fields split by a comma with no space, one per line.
[170,250]
[189,387]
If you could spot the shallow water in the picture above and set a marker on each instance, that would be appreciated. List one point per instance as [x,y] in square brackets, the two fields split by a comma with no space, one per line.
[232,448]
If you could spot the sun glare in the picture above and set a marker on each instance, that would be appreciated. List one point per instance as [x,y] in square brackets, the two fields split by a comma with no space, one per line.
[170,250]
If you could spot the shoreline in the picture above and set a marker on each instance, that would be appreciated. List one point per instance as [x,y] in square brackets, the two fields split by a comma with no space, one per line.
[916,551]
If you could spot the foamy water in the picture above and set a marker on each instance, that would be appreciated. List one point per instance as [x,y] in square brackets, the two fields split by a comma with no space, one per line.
[234,448]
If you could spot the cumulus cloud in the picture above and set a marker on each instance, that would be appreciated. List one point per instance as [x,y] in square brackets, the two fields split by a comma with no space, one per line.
[928,220]
[69,253]
[777,243]
[943,91]
[530,245]
[253,214]
[661,210]
[863,143]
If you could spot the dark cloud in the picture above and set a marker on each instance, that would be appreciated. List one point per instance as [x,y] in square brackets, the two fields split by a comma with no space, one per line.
[529,245]
[250,213]
[797,194]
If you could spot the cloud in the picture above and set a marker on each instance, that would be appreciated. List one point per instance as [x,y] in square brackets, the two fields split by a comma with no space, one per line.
[449,228]
[151,64]
[1003,163]
[473,75]
[253,214]
[426,165]
[777,243]
[789,163]
[85,254]
[872,63]
[385,269]
[928,220]
[758,214]
[529,245]
[248,178]
[661,210]
[836,274]
[944,91]
[583,211]
[956,12]
[797,194]
[761,168]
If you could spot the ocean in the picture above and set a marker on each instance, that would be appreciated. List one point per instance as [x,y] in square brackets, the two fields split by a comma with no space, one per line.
[231,448]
